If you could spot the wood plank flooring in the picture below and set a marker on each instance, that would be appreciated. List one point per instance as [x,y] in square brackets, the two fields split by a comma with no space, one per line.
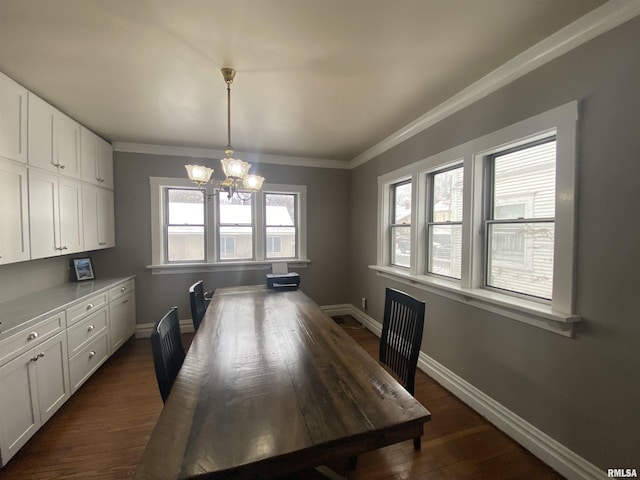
[101,431]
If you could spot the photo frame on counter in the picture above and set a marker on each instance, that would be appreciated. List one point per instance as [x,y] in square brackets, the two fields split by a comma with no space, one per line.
[82,269]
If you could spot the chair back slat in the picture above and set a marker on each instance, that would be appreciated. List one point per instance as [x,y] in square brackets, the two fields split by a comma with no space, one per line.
[401,338]
[168,352]
[198,303]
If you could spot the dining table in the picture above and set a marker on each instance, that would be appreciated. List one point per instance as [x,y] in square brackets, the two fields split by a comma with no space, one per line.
[271,385]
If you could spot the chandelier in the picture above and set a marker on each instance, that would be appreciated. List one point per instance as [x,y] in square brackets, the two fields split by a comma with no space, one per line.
[237,180]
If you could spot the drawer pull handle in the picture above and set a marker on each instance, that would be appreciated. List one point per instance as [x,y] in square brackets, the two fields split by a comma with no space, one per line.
[90,306]
[126,301]
[37,356]
[123,289]
[33,336]
[91,327]
[92,354]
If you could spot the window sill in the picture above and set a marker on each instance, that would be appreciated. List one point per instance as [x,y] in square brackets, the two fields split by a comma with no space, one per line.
[532,313]
[178,268]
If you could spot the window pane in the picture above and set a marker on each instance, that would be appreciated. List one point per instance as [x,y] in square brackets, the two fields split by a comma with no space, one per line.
[445,250]
[402,203]
[280,209]
[185,244]
[525,182]
[186,207]
[401,246]
[447,196]
[234,211]
[521,258]
[281,242]
[236,243]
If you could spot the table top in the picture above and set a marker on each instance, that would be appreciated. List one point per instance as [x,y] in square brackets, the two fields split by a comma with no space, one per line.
[272,385]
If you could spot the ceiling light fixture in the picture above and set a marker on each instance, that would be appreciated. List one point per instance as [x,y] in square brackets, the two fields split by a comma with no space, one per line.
[238,181]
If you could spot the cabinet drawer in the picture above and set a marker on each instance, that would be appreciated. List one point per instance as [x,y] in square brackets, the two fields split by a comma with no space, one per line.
[85,330]
[21,342]
[87,361]
[121,290]
[87,306]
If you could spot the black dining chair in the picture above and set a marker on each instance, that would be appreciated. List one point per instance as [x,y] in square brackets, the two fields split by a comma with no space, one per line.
[402,327]
[168,352]
[199,302]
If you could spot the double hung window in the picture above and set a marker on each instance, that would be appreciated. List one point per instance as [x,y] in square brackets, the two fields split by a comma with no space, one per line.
[400,229]
[444,248]
[191,227]
[491,221]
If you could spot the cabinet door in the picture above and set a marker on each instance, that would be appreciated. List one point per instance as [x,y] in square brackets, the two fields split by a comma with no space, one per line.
[52,375]
[14,213]
[13,120]
[41,134]
[71,234]
[90,195]
[107,227]
[122,318]
[89,155]
[105,163]
[19,412]
[67,145]
[43,216]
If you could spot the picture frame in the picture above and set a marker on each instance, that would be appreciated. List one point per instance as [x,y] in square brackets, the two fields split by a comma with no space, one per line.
[82,269]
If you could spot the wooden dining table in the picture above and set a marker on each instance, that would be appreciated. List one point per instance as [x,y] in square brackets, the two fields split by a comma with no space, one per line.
[272,385]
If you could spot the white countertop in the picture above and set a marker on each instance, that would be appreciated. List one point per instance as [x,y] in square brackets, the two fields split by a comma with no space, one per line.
[21,313]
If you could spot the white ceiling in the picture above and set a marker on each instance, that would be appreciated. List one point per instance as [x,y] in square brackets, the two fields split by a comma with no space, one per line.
[324,79]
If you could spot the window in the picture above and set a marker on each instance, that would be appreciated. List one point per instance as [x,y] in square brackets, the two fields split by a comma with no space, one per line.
[445,223]
[235,228]
[521,216]
[281,228]
[185,230]
[491,222]
[401,224]
[190,228]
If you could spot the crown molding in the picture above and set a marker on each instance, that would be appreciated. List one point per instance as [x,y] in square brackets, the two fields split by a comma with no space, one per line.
[587,27]
[193,152]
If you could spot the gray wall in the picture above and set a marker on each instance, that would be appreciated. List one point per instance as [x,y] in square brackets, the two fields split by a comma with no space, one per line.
[585,391]
[324,279]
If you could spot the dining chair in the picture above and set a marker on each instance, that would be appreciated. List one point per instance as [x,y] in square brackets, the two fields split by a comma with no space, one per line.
[168,352]
[402,327]
[199,302]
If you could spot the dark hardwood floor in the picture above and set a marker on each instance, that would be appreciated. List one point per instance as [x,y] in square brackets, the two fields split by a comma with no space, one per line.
[101,431]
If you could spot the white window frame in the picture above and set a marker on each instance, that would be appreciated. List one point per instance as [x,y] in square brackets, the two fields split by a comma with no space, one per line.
[556,316]
[160,266]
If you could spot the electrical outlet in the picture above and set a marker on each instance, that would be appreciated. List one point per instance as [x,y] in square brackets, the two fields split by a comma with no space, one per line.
[364,303]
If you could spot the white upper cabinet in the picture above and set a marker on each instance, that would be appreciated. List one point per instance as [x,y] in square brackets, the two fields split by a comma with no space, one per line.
[56,223]
[54,139]
[97,159]
[14,211]
[98,217]
[13,120]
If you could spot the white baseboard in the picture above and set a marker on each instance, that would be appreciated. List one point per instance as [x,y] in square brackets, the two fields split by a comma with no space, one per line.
[551,452]
[143,330]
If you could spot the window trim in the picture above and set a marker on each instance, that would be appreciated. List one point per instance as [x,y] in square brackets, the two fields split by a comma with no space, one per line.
[557,316]
[159,266]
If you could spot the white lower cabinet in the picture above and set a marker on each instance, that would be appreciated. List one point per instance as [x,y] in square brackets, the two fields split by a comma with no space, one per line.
[33,387]
[43,363]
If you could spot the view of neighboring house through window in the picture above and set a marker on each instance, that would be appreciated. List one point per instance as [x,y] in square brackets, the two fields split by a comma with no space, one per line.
[235,228]
[401,224]
[444,249]
[521,218]
[280,225]
[185,225]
